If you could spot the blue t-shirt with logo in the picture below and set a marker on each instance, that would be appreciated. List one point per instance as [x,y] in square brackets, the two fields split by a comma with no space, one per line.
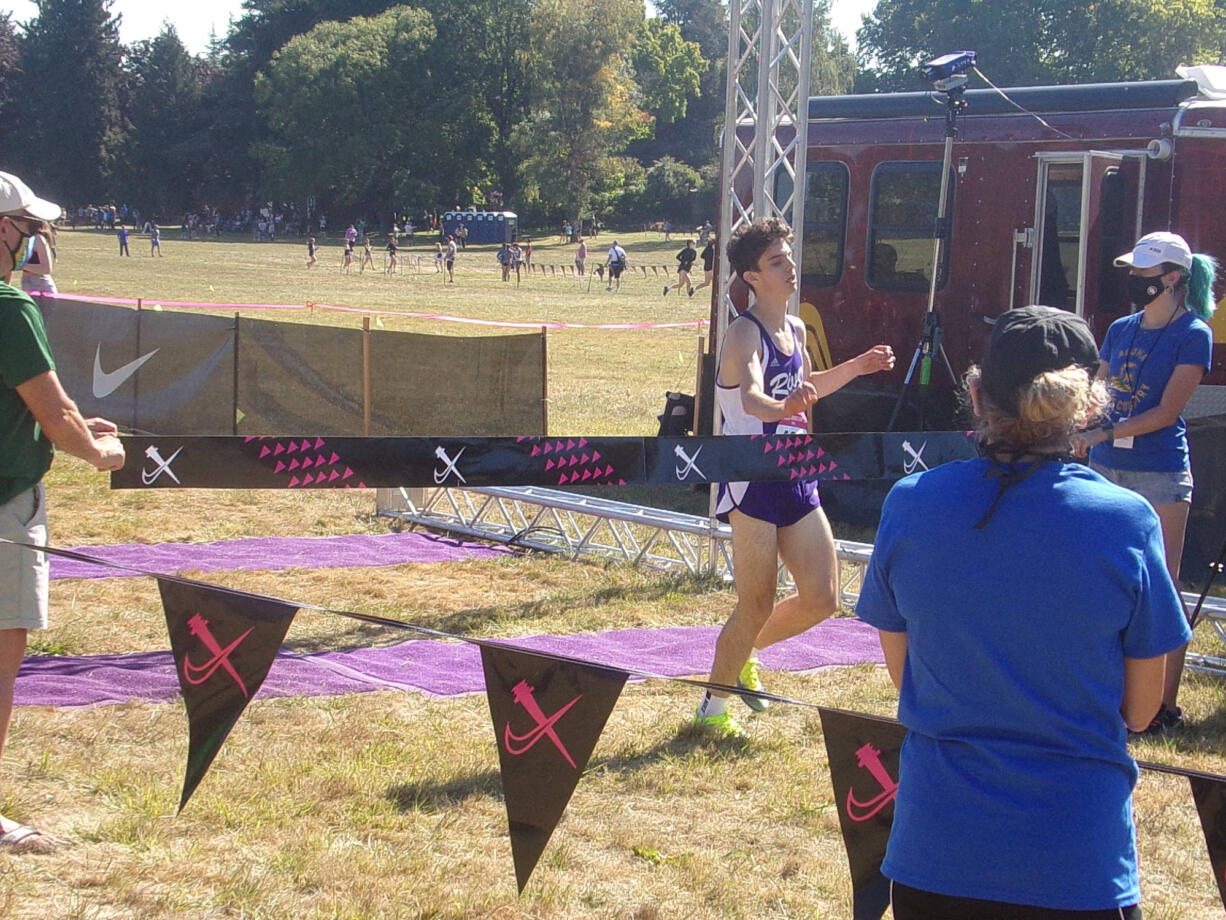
[1140,363]
[1015,780]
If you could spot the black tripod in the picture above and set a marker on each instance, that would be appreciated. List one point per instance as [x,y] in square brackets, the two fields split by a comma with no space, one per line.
[1215,569]
[930,346]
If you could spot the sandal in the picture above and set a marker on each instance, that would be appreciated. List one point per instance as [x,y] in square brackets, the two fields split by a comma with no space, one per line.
[23,839]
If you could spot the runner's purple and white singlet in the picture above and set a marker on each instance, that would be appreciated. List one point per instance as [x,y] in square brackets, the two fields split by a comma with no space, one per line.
[778,503]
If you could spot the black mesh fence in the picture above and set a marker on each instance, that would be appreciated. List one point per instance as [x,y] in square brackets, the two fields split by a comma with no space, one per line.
[179,373]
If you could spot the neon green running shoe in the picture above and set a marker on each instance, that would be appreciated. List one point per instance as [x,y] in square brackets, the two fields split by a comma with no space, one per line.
[723,725]
[751,679]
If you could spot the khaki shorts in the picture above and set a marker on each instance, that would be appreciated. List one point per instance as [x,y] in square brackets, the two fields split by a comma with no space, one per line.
[23,572]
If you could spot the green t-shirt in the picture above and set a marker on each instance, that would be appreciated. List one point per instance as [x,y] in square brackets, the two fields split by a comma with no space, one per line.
[25,452]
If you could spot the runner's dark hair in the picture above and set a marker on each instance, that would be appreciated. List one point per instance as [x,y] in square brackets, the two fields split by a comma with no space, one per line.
[749,241]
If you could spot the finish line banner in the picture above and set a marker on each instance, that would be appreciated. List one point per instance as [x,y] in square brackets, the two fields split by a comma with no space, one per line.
[310,462]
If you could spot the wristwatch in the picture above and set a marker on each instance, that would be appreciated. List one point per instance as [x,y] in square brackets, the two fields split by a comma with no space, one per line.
[1108,428]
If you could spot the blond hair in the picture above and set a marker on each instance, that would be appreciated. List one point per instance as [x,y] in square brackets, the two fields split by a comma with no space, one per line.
[1051,409]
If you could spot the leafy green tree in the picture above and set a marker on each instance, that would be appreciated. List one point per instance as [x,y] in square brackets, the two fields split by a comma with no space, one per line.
[1042,42]
[347,105]
[668,69]
[670,191]
[164,158]
[486,55]
[617,191]
[832,68]
[10,83]
[694,138]
[72,130]
[587,109]
[267,25]
[229,91]
[704,22]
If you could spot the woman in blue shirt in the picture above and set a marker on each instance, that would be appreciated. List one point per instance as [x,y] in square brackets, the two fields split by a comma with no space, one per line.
[1152,361]
[1025,610]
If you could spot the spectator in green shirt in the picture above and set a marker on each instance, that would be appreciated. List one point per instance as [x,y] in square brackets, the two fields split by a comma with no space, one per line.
[36,415]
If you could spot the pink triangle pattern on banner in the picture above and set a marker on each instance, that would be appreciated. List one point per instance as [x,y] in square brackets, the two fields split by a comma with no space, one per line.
[800,455]
[305,462]
[574,461]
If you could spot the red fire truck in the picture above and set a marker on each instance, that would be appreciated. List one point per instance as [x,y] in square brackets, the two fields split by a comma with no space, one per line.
[1047,185]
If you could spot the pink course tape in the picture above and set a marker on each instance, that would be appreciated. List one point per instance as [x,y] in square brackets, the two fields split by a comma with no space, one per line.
[441,317]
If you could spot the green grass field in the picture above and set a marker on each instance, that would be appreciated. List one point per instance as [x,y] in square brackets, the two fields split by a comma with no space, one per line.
[388,805]
[601,382]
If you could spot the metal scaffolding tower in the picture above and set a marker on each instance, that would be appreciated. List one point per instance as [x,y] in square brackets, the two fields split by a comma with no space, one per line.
[766,119]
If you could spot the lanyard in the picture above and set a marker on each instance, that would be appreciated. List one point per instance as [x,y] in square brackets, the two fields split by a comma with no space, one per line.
[1134,381]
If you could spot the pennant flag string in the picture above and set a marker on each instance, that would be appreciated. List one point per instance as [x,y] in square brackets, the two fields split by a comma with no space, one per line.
[548,712]
[391,623]
[506,645]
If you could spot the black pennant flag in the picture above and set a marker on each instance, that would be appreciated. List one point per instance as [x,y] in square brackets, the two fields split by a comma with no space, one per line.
[223,645]
[548,715]
[863,753]
[1210,796]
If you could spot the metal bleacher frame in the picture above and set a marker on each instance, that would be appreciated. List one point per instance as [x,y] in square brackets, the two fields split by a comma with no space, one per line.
[587,527]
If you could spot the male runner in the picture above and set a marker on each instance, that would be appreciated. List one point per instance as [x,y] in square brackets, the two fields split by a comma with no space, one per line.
[765,386]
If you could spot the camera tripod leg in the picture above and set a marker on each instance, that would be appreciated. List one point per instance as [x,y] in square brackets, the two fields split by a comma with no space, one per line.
[906,387]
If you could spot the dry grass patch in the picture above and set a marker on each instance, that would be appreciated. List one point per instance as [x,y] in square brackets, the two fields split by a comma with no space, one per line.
[387,805]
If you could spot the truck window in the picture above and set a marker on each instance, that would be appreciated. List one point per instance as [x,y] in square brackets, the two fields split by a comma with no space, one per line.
[821,262]
[1061,236]
[902,215]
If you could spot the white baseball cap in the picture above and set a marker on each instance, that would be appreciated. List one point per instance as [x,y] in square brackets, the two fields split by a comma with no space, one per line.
[16,200]
[1157,249]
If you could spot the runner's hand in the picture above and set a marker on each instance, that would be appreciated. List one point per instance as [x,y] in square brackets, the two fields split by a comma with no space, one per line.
[800,399]
[878,358]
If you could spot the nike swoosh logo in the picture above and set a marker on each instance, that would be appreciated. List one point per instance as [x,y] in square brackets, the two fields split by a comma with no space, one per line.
[105,384]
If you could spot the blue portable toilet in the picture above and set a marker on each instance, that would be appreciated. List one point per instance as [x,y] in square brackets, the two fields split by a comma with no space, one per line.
[483,226]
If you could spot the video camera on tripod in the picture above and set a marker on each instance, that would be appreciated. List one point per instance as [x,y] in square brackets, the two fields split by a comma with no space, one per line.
[948,72]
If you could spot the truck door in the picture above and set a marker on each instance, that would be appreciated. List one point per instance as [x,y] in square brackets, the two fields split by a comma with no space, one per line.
[1087,211]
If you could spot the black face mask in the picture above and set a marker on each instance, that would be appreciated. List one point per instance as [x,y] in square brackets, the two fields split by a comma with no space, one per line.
[1143,291]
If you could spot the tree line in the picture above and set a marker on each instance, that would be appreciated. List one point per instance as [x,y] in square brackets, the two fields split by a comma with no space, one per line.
[552,108]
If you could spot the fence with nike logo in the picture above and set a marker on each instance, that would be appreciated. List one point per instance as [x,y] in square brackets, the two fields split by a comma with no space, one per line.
[189,374]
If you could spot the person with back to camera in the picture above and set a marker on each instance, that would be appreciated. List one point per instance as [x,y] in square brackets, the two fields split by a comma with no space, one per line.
[1024,609]
[764,386]
[36,273]
[580,257]
[685,262]
[708,266]
[449,256]
[392,255]
[617,264]
[35,414]
[1152,361]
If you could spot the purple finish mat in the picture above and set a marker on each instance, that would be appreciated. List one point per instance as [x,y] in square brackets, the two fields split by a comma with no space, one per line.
[434,666]
[272,553]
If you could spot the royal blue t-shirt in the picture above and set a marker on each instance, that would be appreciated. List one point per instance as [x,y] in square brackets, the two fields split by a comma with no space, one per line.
[1015,781]
[1140,363]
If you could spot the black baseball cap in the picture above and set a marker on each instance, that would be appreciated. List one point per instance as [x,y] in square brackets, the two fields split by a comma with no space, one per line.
[1028,342]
